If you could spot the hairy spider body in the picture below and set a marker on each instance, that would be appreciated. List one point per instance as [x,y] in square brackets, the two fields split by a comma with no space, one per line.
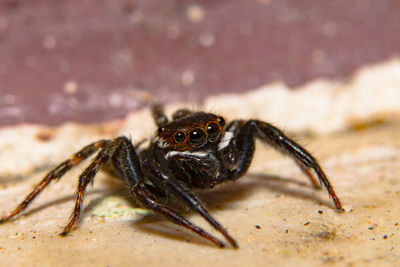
[194,150]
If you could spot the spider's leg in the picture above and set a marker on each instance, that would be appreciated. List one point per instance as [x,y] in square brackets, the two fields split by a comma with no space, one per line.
[244,141]
[188,197]
[157,110]
[87,176]
[161,119]
[56,174]
[148,201]
[127,165]
[307,172]
[181,113]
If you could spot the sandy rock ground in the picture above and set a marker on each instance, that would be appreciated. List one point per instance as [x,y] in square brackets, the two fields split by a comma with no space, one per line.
[273,212]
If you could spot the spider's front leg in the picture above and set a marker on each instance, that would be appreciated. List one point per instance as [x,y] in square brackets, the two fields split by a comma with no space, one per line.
[148,192]
[158,176]
[143,195]
[240,149]
[86,177]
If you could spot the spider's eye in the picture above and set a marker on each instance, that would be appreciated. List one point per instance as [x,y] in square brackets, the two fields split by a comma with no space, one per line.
[221,121]
[160,130]
[179,137]
[197,137]
[213,132]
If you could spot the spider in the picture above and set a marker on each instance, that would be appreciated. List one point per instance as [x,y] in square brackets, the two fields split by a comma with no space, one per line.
[195,150]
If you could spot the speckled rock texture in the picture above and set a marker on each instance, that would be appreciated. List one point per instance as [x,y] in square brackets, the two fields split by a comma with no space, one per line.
[352,128]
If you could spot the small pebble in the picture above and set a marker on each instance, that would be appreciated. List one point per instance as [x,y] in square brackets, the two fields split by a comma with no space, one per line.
[348,209]
[15,235]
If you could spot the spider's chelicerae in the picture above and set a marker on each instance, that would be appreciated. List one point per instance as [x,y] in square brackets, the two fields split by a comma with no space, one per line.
[196,150]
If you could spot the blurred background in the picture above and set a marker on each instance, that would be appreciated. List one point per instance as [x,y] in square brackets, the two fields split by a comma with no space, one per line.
[90,60]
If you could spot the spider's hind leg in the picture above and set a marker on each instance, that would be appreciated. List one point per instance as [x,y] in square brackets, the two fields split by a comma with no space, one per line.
[182,112]
[157,110]
[56,174]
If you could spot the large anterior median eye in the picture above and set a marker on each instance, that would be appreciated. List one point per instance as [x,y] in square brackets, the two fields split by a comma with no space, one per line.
[197,137]
[179,137]
[213,132]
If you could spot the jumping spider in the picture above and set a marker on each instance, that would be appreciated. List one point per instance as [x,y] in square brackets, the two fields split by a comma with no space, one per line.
[196,150]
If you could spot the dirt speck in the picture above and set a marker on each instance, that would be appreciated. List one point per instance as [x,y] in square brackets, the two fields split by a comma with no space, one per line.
[326,235]
[44,135]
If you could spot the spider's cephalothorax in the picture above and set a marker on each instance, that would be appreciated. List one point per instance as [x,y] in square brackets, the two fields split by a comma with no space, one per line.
[194,150]
[190,133]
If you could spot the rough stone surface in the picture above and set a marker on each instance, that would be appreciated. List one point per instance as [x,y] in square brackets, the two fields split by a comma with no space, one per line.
[273,212]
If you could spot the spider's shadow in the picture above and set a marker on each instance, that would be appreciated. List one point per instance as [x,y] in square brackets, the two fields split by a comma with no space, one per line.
[227,194]
[221,197]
